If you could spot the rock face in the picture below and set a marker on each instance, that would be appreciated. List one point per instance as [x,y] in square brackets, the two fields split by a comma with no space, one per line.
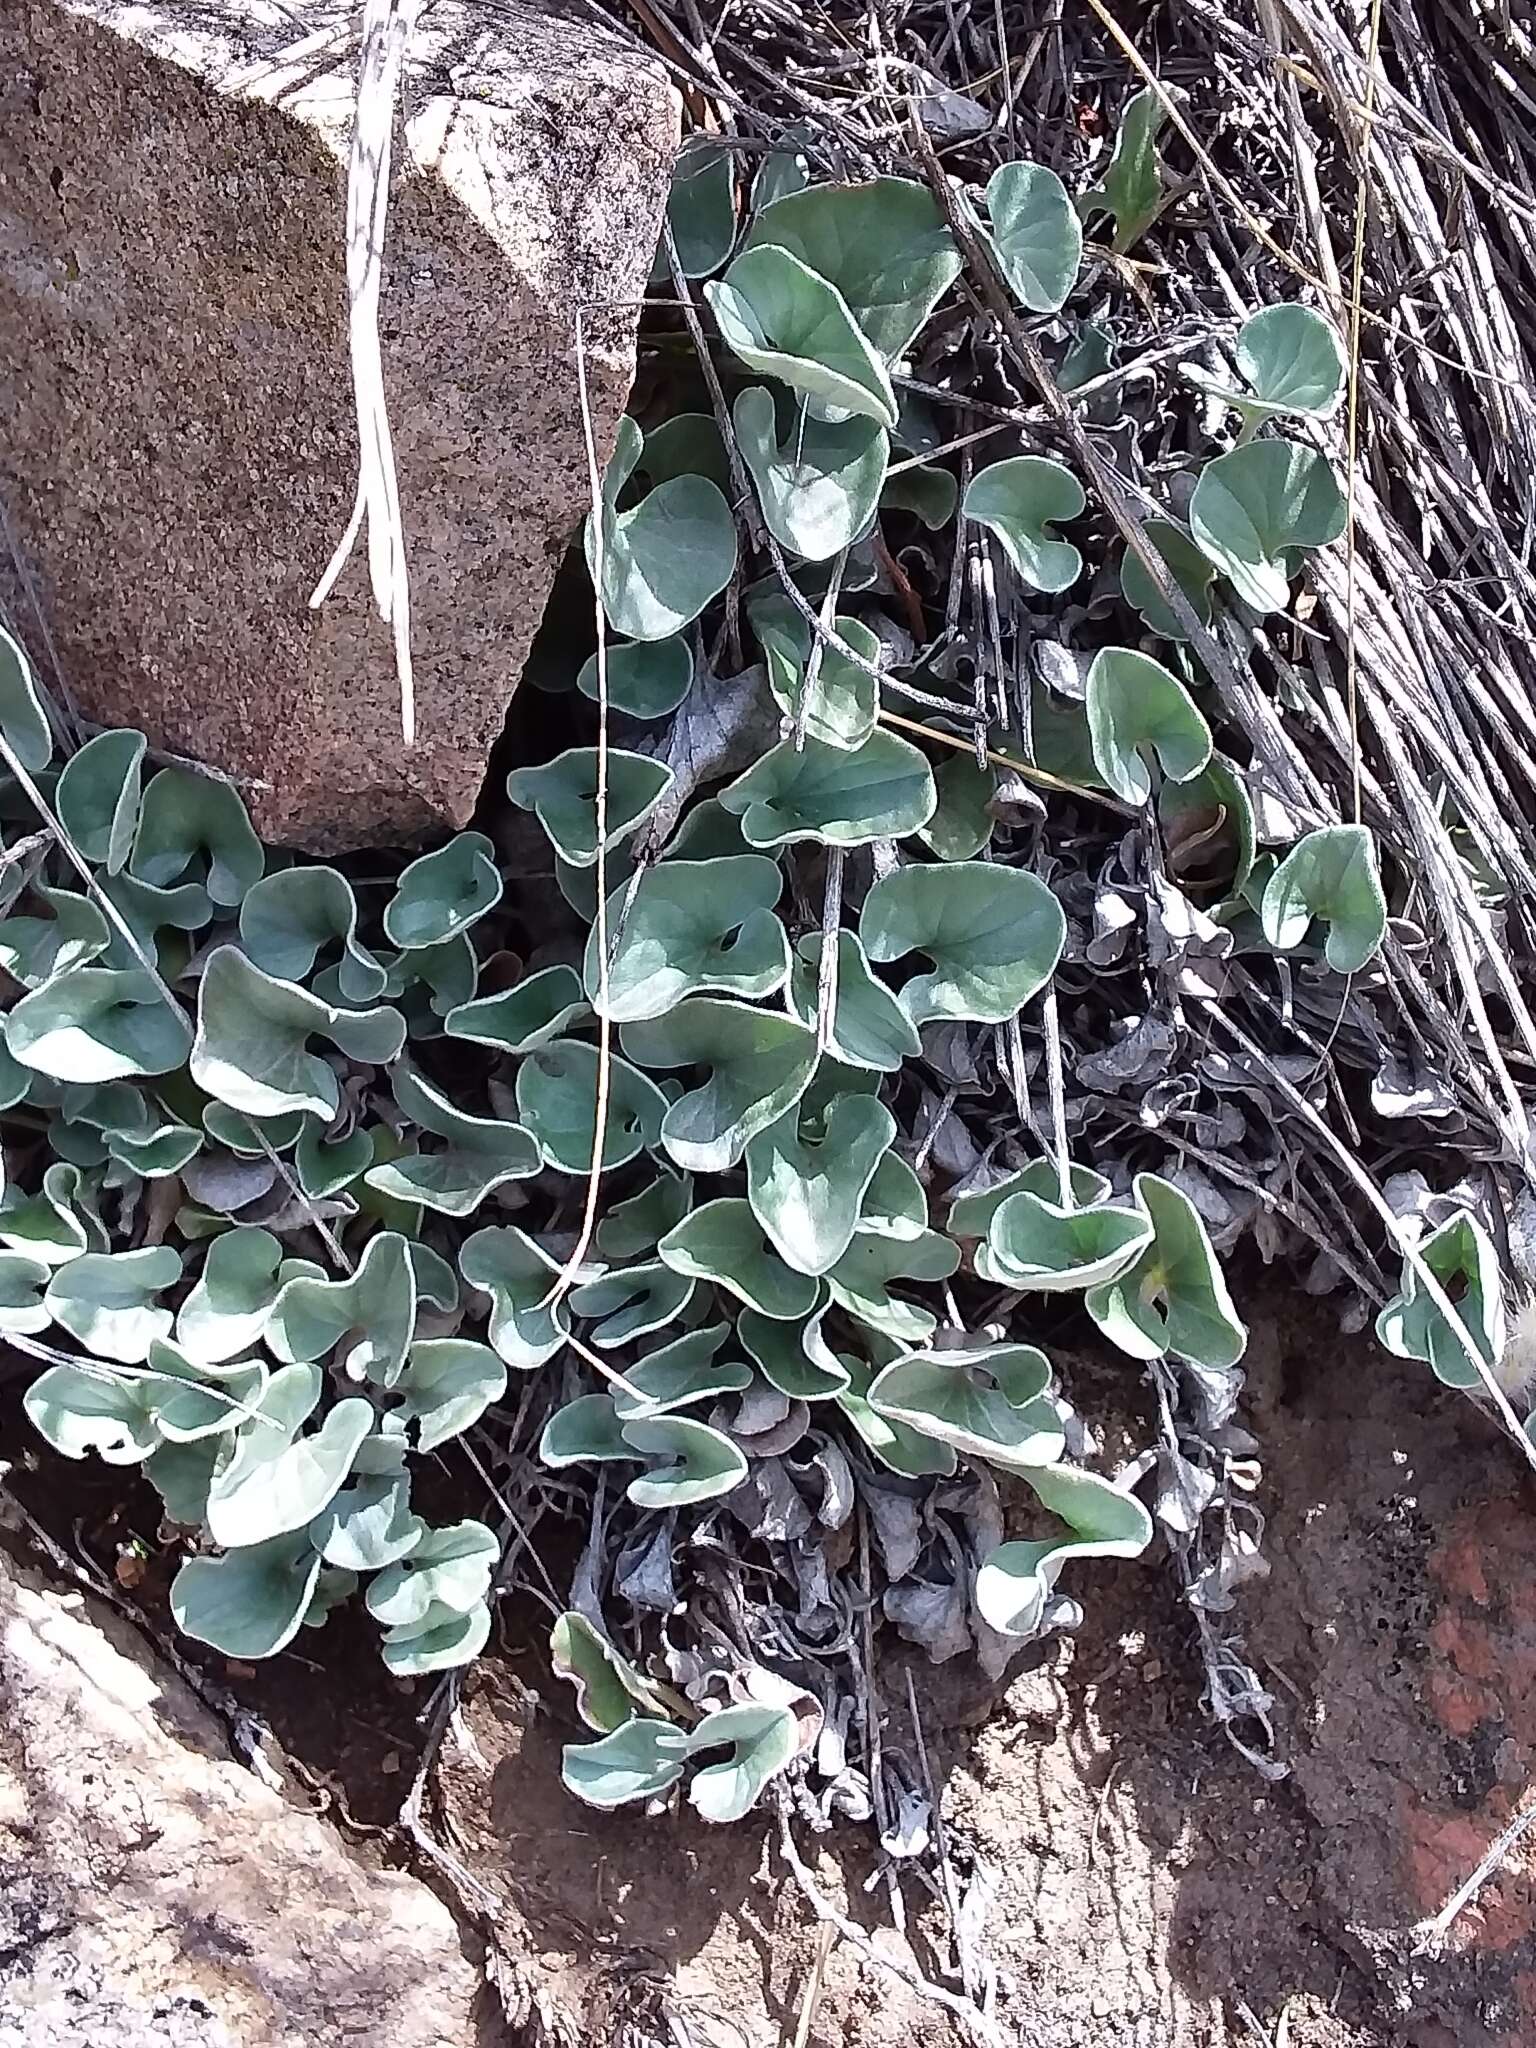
[155,1895]
[178,440]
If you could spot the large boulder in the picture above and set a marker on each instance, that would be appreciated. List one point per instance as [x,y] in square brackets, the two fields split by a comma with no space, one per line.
[178,440]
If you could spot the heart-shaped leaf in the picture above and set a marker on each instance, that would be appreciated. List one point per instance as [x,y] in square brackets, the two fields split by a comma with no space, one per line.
[372,1314]
[148,911]
[252,1031]
[633,1228]
[994,935]
[925,490]
[902,1450]
[533,1013]
[443,1640]
[586,1431]
[107,1300]
[687,926]
[23,1283]
[251,1603]
[563,797]
[229,1308]
[844,698]
[289,918]
[98,797]
[34,949]
[83,1408]
[193,1401]
[22,717]
[446,1387]
[517,1276]
[97,1024]
[1291,361]
[883,790]
[819,489]
[988,1403]
[557,1100]
[701,209]
[962,824]
[807,1176]
[795,1359]
[640,1760]
[278,1480]
[1255,509]
[1332,874]
[661,562]
[1019,500]
[327,1165]
[1016,1581]
[1036,233]
[862,1279]
[895,1203]
[870,1029]
[609,1689]
[443,893]
[681,1374]
[1174,1298]
[785,320]
[724,1242]
[1131,189]
[645,678]
[759,1064]
[1036,1246]
[1462,1258]
[193,822]
[882,244]
[369,1523]
[1136,708]
[449,1568]
[477,1154]
[447,973]
[634,1302]
[764,1740]
[692,1462]
[55,1225]
[1186,564]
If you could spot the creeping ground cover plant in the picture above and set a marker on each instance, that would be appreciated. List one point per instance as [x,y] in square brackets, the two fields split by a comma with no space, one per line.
[722,1146]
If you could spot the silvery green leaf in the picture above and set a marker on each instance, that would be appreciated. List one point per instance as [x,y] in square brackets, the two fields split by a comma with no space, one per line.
[690,1462]
[962,824]
[249,1604]
[23,720]
[688,926]
[533,1013]
[928,492]
[642,1759]
[440,895]
[369,1524]
[97,1024]
[563,797]
[327,1165]
[764,1740]
[686,444]
[633,1302]
[662,561]
[723,1242]
[882,244]
[1462,1258]
[252,1033]
[1187,565]
[586,1431]
[1036,234]
[193,822]
[701,209]
[844,698]
[882,790]
[333,1589]
[1174,1298]
[55,1225]
[785,320]
[23,1283]
[1255,509]
[759,1064]
[1291,361]
[1017,1580]
[1131,188]
[902,1450]
[1136,707]
[994,935]
[373,1314]
[446,1387]
[784,169]
[895,1202]
[680,1375]
[148,911]
[557,1100]
[228,1309]
[518,1276]
[192,1401]
[793,1357]
[448,1568]
[1331,875]
[870,1030]
[645,678]
[1035,1245]
[476,1155]
[448,972]
[807,1177]
[863,1277]
[1020,500]
[289,918]
[820,487]
[251,1137]
[183,1473]
[278,1480]
[34,949]
[609,1689]
[107,1300]
[989,1403]
[82,1408]
[633,1227]
[443,1640]
[98,795]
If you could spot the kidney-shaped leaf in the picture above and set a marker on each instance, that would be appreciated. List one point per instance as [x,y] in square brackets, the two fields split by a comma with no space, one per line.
[807,1176]
[785,320]
[659,563]
[107,1300]
[278,1480]
[1291,360]
[609,1689]
[22,717]
[89,1407]
[537,1010]
[1254,509]
[989,1403]
[724,1242]
[250,1603]
[98,797]
[633,1302]
[844,697]
[1330,875]
[645,678]
[228,1309]
[475,1156]
[1136,708]
[691,1462]
[192,821]
[504,1264]
[642,1759]
[882,790]
[681,1374]
[759,1065]
[1036,1246]
[557,1100]
[34,949]
[369,1523]
[447,1385]
[372,1313]
[1020,500]
[252,1032]
[288,918]
[563,797]
[97,1024]
[1174,1298]
[818,489]
[1462,1258]
[1016,1581]
[994,935]
[701,208]
[449,1568]
[870,1029]
[1036,233]
[443,893]
[688,926]
[1187,566]
[764,1741]
[863,1277]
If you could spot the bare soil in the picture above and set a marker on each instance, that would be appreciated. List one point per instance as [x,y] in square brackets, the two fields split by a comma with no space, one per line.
[1143,1886]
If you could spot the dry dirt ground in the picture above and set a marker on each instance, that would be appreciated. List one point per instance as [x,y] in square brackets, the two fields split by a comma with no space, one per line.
[1144,1887]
